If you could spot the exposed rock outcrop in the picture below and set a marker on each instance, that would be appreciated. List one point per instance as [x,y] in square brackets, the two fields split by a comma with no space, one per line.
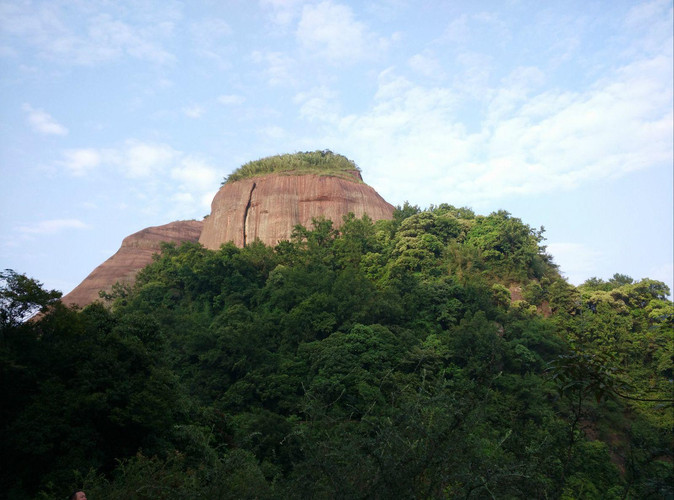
[257,206]
[270,206]
[135,253]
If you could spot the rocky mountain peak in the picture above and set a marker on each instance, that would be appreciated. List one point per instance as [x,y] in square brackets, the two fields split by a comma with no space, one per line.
[262,200]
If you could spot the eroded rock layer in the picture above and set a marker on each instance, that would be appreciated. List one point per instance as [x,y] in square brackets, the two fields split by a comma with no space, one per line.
[134,254]
[269,207]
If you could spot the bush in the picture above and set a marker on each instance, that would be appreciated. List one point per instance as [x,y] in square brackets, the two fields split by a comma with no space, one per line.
[309,162]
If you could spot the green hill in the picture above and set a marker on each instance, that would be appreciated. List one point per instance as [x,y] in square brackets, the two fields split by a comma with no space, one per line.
[436,355]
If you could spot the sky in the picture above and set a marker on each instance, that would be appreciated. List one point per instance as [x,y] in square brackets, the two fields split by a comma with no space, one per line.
[120,115]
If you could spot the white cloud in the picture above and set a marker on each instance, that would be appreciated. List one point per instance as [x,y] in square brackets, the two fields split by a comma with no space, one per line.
[426,64]
[462,30]
[273,132]
[80,35]
[140,159]
[318,103]
[231,99]
[81,161]
[52,226]
[43,122]
[473,79]
[110,38]
[154,173]
[209,37]
[183,198]
[280,67]
[194,111]
[526,139]
[457,30]
[282,12]
[195,174]
[136,159]
[654,21]
[576,260]
[330,31]
[207,198]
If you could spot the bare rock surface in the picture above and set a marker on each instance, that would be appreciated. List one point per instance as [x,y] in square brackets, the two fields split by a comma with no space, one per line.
[269,207]
[266,208]
[135,253]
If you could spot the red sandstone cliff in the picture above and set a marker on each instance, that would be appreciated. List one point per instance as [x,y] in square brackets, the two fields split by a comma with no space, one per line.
[135,253]
[269,207]
[265,208]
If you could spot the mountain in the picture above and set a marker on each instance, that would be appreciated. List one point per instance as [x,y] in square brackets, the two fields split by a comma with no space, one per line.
[437,354]
[134,254]
[262,200]
[269,207]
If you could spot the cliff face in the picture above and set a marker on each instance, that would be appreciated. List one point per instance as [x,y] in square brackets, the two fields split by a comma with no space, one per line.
[135,253]
[265,208]
[269,207]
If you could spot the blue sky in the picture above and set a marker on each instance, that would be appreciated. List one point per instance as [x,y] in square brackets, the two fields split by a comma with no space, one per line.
[119,115]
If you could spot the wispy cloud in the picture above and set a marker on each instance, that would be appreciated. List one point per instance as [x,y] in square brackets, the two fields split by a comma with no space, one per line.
[79,162]
[330,31]
[195,174]
[194,111]
[578,261]
[43,122]
[141,159]
[280,67]
[80,35]
[273,132]
[282,12]
[528,138]
[426,64]
[231,99]
[52,226]
[319,103]
[210,40]
[157,170]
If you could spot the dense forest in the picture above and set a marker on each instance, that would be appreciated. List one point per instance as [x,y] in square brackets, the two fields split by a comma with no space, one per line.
[436,355]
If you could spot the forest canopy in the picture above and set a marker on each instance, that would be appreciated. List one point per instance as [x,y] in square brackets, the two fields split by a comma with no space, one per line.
[436,355]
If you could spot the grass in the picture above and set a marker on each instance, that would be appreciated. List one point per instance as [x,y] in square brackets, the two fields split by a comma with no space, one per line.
[309,162]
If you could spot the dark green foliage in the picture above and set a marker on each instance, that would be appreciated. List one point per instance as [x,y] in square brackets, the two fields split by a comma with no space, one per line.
[21,297]
[377,360]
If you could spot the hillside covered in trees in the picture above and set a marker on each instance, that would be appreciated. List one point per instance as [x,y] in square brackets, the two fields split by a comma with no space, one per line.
[436,355]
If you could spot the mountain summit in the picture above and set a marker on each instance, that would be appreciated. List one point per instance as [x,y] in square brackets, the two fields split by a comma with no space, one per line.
[265,200]
[262,200]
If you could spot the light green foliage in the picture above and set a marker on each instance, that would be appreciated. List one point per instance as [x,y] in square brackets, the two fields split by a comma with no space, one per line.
[631,327]
[310,162]
[509,246]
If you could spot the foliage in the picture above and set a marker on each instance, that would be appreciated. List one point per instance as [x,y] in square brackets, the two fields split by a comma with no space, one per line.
[377,360]
[308,162]
[21,297]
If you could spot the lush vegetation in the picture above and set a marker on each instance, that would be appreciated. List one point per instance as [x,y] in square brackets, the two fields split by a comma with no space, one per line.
[383,360]
[309,162]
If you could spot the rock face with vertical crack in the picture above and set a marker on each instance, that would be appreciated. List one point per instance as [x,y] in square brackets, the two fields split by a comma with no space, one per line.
[135,253]
[260,207]
[268,207]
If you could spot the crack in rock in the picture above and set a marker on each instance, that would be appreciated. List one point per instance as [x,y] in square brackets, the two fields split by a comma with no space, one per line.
[245,213]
